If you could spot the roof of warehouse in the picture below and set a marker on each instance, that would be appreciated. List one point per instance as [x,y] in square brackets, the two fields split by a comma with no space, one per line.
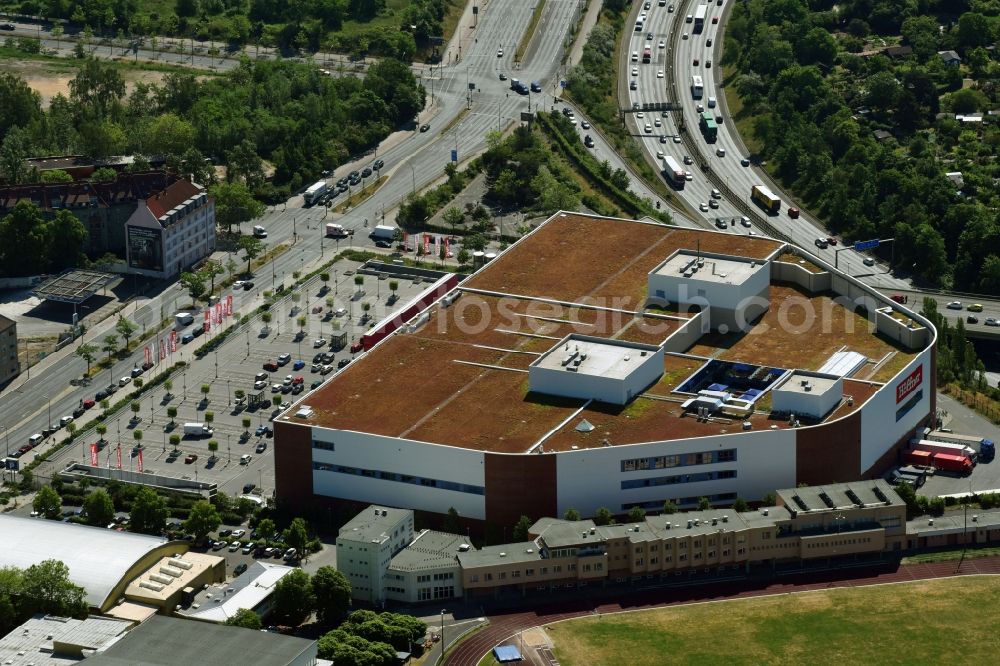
[97,559]
[461,377]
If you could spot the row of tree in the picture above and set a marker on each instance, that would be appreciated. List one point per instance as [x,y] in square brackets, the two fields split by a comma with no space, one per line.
[305,24]
[367,638]
[816,107]
[33,244]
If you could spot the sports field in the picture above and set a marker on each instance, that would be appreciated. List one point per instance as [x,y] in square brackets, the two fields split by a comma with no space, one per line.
[926,622]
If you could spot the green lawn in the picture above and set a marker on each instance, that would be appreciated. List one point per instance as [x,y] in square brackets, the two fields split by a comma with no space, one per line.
[926,622]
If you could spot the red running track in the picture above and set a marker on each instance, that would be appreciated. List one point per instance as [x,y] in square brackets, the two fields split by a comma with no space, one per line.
[504,625]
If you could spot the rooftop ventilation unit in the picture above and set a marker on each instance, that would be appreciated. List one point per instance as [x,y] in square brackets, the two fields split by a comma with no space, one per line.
[463,548]
[725,518]
[667,525]
[690,522]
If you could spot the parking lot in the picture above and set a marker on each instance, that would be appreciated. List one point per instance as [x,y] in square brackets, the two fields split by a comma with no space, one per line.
[290,340]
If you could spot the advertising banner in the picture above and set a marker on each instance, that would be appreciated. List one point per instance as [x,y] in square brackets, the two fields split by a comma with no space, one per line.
[208,321]
[93,454]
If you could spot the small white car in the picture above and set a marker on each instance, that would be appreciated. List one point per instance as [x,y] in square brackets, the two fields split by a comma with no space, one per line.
[238,533]
[662,44]
[318,342]
[275,388]
[635,71]
[659,73]
[657,122]
[703,207]
[260,385]
[688,176]
[648,129]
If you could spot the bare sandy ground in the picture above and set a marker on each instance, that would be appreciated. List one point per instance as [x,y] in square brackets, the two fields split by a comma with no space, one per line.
[50,79]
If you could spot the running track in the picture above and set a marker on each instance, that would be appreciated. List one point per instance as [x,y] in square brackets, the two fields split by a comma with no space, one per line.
[506,624]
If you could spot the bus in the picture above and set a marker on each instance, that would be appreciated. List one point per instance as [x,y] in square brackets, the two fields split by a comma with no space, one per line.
[673,172]
[647,54]
[697,87]
[764,198]
[706,123]
[699,18]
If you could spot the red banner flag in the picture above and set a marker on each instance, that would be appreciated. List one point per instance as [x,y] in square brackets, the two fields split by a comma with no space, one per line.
[406,241]
[148,354]
[163,349]
[173,341]
[139,460]
[118,454]
[218,313]
[208,321]
[93,454]
[229,306]
[427,244]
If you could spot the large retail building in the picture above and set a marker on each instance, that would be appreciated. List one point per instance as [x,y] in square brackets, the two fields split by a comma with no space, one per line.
[612,363]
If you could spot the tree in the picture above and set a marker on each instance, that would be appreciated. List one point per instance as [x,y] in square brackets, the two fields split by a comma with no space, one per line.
[670,507]
[520,532]
[125,329]
[168,386]
[47,503]
[571,514]
[168,134]
[101,430]
[210,271]
[234,205]
[97,87]
[175,441]
[636,514]
[297,536]
[148,514]
[245,618]
[463,256]
[135,406]
[740,505]
[246,425]
[603,516]
[293,599]
[46,588]
[452,523]
[98,509]
[267,529]
[88,353]
[14,150]
[973,29]
[704,504]
[194,283]
[252,247]
[205,389]
[172,413]
[332,591]
[137,436]
[453,217]
[769,499]
[202,519]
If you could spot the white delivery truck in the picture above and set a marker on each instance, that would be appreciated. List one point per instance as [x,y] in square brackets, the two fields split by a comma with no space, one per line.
[197,430]
[336,231]
[383,232]
[315,191]
[182,319]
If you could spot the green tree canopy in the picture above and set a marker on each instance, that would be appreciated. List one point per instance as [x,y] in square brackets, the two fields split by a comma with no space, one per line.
[293,599]
[245,618]
[202,519]
[333,594]
[47,503]
[148,513]
[98,509]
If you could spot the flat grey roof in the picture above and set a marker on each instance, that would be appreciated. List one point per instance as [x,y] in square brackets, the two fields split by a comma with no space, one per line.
[217,603]
[168,641]
[97,558]
[954,522]
[430,550]
[716,268]
[818,383]
[604,357]
[373,522]
[839,496]
[72,286]
[508,553]
[33,642]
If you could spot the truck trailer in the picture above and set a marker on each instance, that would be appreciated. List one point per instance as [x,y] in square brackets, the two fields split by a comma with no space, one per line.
[336,230]
[945,447]
[985,447]
[673,172]
[943,461]
[383,232]
[315,191]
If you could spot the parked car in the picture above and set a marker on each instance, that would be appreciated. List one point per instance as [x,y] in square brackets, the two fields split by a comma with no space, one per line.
[240,568]
[283,359]
[191,457]
[298,365]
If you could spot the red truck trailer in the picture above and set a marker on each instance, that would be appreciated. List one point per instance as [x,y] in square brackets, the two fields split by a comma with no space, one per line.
[920,458]
[952,463]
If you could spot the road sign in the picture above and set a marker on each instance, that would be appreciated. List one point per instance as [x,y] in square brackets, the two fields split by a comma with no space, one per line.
[861,246]
[454,155]
[562,83]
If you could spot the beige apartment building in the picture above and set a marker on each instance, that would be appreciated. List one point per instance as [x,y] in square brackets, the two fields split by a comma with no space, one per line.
[819,522]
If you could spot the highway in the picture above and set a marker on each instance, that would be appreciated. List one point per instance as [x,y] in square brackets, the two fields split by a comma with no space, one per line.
[668,78]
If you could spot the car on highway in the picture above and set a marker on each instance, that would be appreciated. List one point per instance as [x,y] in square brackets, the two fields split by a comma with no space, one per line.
[713,204]
[688,160]
[684,36]
[975,307]
[868,261]
[721,152]
[688,176]
[821,243]
[424,127]
[7,26]
[954,305]
[677,138]
[972,319]
[715,20]
[499,53]
[659,73]
[696,62]
[588,141]
[584,125]
[992,321]
[635,71]
[633,85]
[703,207]
[716,194]
[663,138]
[649,35]
[744,162]
[708,63]
[745,221]
[662,44]
[503,77]
[708,42]
[831,240]
[793,212]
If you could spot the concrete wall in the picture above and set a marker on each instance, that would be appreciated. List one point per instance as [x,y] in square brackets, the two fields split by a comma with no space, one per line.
[784,271]
[688,334]
[400,456]
[589,479]
[889,416]
[76,471]
[914,337]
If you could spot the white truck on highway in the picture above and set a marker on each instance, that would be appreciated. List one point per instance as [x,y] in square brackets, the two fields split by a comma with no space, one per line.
[197,430]
[336,230]
[383,232]
[182,319]
[315,191]
[673,172]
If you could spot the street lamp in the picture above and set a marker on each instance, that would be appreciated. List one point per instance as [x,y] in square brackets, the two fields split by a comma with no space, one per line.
[442,631]
[49,408]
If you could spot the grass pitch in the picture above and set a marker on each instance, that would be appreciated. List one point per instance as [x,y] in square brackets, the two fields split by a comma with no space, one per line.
[926,622]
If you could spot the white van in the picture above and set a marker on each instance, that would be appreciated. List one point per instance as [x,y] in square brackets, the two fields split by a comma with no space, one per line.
[35,439]
[245,459]
[259,232]
[711,102]
[689,19]
[635,56]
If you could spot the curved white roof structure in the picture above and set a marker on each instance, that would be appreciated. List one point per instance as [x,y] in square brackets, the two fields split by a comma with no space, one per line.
[99,560]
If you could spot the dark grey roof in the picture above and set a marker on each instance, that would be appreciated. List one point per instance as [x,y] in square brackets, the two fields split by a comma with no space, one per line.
[168,641]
